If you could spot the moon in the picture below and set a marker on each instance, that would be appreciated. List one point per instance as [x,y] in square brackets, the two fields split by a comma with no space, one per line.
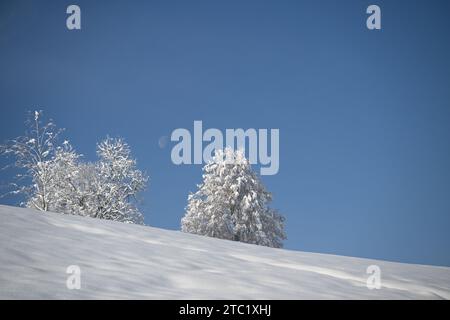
[163,141]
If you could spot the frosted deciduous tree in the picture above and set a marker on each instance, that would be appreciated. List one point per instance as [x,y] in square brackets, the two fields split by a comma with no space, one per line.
[33,154]
[64,195]
[232,204]
[59,181]
[117,182]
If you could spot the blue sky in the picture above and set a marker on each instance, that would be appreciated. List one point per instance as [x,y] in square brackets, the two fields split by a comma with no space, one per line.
[363,115]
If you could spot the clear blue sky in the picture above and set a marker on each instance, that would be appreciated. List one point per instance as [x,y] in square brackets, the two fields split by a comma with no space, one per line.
[364,116]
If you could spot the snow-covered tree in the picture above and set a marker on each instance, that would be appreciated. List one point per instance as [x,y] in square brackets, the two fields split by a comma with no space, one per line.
[59,181]
[232,204]
[118,182]
[33,153]
[106,189]
[63,189]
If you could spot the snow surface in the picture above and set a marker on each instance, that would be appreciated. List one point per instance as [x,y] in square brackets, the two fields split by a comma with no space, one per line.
[121,261]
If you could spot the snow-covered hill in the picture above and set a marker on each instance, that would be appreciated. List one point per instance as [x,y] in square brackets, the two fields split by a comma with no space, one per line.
[120,261]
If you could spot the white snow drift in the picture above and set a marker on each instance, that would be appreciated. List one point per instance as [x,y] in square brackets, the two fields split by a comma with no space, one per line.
[122,261]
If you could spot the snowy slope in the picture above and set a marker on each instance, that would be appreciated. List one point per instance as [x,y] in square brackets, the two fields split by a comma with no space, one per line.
[120,261]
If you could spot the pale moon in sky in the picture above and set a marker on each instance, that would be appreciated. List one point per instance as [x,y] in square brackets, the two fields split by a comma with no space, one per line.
[163,141]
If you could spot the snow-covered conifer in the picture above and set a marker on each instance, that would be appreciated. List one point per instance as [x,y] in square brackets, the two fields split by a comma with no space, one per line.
[232,204]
